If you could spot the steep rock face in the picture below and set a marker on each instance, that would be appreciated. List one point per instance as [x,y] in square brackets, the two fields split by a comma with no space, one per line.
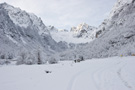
[118,8]
[24,19]
[115,38]
[118,34]
[83,31]
[21,30]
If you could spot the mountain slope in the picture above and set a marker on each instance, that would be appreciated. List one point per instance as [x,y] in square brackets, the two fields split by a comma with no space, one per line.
[117,37]
[21,31]
[118,8]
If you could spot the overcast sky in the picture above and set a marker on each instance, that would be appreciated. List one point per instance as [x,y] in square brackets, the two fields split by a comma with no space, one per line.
[66,13]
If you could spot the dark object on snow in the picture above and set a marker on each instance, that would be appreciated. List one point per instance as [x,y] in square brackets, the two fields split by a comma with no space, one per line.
[77,60]
[81,58]
[52,61]
[48,71]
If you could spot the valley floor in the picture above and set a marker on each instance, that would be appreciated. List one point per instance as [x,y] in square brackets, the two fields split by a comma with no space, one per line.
[117,73]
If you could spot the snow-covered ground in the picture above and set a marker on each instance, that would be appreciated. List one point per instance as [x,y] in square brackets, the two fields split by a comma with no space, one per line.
[117,73]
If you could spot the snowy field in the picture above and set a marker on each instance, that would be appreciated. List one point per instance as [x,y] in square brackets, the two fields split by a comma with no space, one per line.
[117,73]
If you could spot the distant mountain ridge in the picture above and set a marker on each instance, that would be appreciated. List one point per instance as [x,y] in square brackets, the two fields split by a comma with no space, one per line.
[83,33]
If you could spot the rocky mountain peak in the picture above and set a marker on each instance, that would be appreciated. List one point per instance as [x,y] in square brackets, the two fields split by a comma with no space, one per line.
[118,5]
[82,26]
[24,19]
[83,30]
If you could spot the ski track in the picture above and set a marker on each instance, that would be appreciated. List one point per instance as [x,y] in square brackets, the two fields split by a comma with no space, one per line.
[97,74]
[70,85]
[92,77]
[101,76]
[122,79]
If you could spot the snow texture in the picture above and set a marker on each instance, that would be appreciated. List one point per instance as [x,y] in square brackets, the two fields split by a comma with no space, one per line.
[115,73]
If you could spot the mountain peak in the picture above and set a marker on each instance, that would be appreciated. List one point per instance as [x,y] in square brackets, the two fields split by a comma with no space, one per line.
[118,6]
[4,3]
[83,30]
[82,26]
[6,6]
[23,19]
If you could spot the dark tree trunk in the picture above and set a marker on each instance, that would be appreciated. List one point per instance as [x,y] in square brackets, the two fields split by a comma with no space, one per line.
[39,59]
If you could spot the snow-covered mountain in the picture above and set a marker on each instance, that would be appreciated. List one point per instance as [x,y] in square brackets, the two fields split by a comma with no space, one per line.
[119,7]
[52,29]
[21,31]
[24,39]
[115,36]
[84,31]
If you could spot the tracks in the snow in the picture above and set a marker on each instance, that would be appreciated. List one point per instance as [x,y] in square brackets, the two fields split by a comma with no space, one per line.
[122,79]
[70,85]
[91,75]
[100,77]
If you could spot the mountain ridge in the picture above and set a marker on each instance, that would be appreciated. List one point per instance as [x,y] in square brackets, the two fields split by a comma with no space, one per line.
[83,33]
[115,36]
[22,32]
